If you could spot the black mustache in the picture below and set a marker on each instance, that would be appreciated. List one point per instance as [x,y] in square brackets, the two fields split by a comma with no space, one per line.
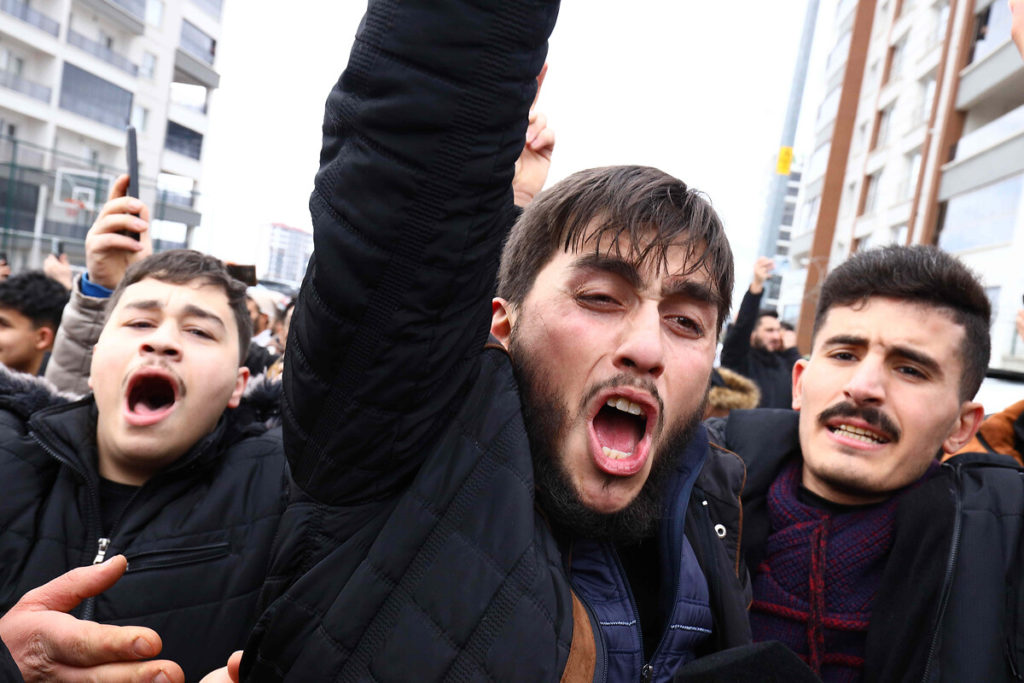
[872,416]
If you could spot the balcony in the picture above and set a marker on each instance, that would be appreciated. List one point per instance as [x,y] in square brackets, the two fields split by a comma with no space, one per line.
[26,87]
[128,15]
[184,141]
[90,96]
[193,60]
[21,10]
[211,7]
[176,207]
[103,52]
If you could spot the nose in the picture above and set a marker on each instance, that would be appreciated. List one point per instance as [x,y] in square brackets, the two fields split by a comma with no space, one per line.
[866,385]
[641,349]
[163,341]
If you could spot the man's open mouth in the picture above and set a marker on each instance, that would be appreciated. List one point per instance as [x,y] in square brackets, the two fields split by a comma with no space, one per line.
[856,433]
[151,396]
[620,433]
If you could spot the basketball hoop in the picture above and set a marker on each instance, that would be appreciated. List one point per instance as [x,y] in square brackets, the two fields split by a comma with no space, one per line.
[73,207]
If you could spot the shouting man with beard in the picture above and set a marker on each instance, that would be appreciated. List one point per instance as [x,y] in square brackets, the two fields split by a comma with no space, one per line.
[870,559]
[527,507]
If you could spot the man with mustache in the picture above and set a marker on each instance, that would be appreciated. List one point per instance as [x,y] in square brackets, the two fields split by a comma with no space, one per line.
[870,559]
[530,507]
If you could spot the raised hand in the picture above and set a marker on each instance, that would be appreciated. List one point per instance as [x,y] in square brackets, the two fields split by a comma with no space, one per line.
[108,253]
[535,160]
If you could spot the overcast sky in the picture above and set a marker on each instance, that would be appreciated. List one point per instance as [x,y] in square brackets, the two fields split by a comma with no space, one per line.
[695,87]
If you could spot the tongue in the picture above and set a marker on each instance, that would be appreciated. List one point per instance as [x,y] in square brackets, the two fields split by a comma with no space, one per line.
[145,408]
[617,430]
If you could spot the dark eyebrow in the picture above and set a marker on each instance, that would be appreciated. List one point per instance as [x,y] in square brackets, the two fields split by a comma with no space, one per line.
[190,310]
[689,289]
[615,266]
[914,356]
[194,311]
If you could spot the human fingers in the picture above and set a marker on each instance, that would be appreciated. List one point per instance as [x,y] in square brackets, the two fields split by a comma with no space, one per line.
[122,206]
[65,592]
[544,143]
[234,663]
[81,644]
[160,671]
[538,122]
[115,222]
[540,83]
[119,187]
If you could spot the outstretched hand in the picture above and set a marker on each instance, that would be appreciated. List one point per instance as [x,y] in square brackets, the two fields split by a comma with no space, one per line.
[763,268]
[108,253]
[535,160]
[1017,24]
[49,644]
[59,269]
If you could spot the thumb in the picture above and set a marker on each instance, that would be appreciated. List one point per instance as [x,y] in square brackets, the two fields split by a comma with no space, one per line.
[64,259]
[65,592]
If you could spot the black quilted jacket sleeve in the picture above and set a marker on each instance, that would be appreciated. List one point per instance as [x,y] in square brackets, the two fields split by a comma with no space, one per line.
[410,206]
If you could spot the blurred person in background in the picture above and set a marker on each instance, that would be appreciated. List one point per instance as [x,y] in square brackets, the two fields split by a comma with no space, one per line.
[31,304]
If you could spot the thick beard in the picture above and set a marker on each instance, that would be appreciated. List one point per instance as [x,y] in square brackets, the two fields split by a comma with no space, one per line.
[546,420]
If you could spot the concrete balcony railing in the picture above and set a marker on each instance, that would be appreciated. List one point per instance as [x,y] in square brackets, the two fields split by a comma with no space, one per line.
[103,52]
[21,10]
[211,7]
[25,87]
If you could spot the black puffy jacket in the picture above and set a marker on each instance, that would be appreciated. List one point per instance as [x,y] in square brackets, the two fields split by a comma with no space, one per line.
[197,535]
[412,548]
[951,603]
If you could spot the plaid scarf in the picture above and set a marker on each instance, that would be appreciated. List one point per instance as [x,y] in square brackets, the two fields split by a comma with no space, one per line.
[820,574]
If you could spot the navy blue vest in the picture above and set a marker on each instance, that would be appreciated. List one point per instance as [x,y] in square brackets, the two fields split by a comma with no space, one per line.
[599,579]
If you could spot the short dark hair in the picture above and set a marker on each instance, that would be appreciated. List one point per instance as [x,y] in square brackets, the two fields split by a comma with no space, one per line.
[182,266]
[36,296]
[920,274]
[619,201]
[767,313]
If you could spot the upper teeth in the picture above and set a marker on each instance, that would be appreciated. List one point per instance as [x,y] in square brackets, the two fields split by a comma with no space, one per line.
[859,434]
[625,405]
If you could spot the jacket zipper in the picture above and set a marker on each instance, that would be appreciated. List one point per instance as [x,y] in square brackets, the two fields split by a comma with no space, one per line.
[646,671]
[947,582]
[88,606]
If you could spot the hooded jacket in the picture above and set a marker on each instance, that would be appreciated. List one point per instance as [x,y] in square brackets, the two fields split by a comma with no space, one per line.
[197,535]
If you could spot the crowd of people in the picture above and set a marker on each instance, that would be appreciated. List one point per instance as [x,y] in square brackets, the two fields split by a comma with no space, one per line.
[487,440]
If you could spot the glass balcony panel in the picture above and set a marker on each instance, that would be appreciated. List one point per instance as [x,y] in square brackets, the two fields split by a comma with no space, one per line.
[991,133]
[982,217]
[24,86]
[183,140]
[993,29]
[95,98]
[197,43]
[102,51]
[21,10]
[211,7]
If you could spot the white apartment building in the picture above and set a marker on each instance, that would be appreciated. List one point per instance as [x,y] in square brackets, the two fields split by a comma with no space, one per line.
[919,140]
[284,252]
[73,74]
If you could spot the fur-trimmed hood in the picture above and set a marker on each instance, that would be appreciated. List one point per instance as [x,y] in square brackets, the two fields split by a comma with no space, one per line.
[735,392]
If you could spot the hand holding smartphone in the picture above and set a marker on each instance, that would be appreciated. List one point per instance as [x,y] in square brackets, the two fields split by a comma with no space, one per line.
[132,159]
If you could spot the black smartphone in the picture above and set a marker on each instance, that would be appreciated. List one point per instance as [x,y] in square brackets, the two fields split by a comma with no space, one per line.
[3,258]
[58,247]
[131,150]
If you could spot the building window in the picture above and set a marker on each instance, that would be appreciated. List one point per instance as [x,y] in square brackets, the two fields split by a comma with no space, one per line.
[871,184]
[147,68]
[981,218]
[90,96]
[894,62]
[154,12]
[941,20]
[140,118]
[882,120]
[898,234]
[910,182]
[927,96]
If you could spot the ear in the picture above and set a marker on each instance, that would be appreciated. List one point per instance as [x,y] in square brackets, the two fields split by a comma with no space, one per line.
[240,383]
[44,336]
[798,382]
[502,320]
[965,427]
